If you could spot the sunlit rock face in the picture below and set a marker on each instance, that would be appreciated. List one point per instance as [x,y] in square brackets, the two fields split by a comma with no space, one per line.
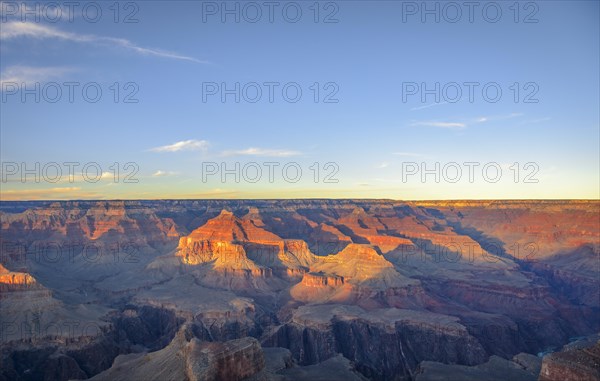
[14,281]
[351,289]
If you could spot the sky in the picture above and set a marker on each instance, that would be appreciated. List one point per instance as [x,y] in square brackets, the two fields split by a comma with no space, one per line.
[333,99]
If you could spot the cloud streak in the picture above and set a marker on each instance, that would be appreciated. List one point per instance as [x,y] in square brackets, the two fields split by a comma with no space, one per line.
[461,125]
[449,125]
[261,152]
[30,74]
[17,29]
[161,173]
[184,145]
[427,106]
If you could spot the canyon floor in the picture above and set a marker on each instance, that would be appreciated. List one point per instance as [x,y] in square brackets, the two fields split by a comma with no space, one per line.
[300,290]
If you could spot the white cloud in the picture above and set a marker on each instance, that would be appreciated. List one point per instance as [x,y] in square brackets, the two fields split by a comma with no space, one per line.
[427,106]
[30,74]
[184,145]
[384,164]
[450,125]
[15,29]
[107,175]
[37,11]
[160,173]
[464,123]
[492,118]
[261,152]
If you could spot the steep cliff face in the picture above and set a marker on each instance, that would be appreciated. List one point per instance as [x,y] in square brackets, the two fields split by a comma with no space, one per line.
[71,344]
[320,279]
[317,333]
[320,287]
[16,281]
[231,360]
[574,272]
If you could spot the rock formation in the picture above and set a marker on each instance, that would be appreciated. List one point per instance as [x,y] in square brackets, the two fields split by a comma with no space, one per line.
[297,289]
[577,361]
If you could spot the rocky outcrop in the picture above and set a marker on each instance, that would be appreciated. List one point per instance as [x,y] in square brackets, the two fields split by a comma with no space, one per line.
[231,360]
[521,368]
[188,358]
[578,363]
[326,239]
[358,275]
[335,368]
[317,333]
[241,250]
[321,280]
[16,281]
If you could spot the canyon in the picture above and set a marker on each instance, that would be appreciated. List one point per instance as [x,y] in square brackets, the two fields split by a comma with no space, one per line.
[299,290]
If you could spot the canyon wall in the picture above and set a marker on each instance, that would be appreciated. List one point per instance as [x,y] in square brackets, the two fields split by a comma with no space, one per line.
[373,288]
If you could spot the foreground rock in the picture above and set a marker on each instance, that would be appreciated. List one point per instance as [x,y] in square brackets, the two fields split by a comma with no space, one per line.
[579,362]
[188,358]
[522,367]
[336,368]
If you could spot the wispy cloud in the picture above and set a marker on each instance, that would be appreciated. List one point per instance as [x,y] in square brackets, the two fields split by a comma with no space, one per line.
[261,152]
[461,123]
[493,118]
[449,125]
[382,165]
[16,29]
[427,106]
[184,145]
[160,173]
[31,74]
[21,11]
[107,175]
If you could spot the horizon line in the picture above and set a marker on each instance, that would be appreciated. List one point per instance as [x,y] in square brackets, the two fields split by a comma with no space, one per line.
[305,198]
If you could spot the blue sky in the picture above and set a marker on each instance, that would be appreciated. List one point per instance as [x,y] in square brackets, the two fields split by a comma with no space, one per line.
[371,135]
